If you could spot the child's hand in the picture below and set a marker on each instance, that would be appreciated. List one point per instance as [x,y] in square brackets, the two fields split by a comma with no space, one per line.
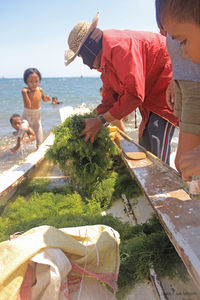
[47,98]
[190,164]
[14,149]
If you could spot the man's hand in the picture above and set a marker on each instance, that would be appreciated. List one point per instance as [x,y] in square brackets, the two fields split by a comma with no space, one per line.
[92,127]
[190,164]
[170,96]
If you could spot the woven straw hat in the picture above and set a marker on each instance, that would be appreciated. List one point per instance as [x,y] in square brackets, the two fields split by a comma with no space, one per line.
[77,37]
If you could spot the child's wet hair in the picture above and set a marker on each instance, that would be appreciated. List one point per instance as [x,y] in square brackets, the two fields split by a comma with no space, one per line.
[30,71]
[14,116]
[180,10]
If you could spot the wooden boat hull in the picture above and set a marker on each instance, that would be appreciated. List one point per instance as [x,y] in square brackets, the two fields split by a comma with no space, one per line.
[11,178]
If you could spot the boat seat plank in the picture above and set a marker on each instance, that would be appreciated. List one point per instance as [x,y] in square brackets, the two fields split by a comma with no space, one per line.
[177,211]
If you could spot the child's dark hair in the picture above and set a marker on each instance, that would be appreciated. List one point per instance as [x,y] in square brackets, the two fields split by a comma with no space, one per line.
[160,11]
[14,116]
[30,71]
[180,10]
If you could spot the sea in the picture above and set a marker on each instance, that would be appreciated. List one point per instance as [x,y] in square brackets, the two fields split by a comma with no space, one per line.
[70,91]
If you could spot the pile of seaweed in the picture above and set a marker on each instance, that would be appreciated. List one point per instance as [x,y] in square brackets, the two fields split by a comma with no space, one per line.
[85,163]
[98,177]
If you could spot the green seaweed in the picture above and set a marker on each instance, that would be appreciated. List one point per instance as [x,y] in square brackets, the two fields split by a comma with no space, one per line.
[85,162]
[141,247]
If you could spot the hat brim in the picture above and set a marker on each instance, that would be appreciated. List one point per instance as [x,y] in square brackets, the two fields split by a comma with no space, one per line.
[69,54]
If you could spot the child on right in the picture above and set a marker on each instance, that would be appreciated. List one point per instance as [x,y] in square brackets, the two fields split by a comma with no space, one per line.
[181,20]
[32,95]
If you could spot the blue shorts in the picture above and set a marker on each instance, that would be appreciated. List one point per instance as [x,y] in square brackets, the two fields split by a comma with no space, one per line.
[157,137]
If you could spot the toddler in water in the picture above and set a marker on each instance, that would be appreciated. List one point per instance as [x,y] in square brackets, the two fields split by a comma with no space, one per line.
[32,96]
[55,101]
[23,131]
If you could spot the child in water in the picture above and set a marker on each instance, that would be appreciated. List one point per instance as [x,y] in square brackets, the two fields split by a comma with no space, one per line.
[23,131]
[32,95]
[55,101]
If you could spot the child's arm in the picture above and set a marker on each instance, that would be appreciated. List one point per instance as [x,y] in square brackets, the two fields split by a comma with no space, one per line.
[27,101]
[30,135]
[45,98]
[170,96]
[14,149]
[190,164]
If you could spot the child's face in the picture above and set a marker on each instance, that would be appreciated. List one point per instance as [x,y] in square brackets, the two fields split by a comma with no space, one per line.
[188,34]
[54,100]
[16,123]
[33,81]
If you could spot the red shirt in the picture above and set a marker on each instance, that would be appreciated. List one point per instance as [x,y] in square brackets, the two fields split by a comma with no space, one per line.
[135,71]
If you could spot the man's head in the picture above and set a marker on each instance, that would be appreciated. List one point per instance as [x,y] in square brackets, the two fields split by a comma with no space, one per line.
[181,19]
[85,40]
[15,121]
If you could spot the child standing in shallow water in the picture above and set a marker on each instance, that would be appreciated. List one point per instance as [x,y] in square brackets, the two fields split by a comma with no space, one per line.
[32,96]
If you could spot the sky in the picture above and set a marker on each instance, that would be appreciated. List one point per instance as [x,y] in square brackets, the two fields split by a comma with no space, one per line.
[34,33]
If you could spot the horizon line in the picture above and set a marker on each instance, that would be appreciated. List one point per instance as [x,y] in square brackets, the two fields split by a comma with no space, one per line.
[80,76]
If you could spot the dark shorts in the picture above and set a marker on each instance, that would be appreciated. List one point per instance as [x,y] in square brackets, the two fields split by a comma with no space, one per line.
[157,137]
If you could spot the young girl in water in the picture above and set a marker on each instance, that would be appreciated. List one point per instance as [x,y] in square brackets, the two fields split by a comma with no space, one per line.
[32,95]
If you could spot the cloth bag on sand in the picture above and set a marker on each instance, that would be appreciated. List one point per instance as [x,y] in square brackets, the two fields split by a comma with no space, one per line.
[58,264]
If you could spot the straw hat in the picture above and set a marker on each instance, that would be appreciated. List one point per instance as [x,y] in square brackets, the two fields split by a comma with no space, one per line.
[77,37]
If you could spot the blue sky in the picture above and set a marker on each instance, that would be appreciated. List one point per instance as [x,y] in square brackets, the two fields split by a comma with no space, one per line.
[34,33]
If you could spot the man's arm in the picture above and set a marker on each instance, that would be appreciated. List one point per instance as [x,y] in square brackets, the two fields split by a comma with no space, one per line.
[131,80]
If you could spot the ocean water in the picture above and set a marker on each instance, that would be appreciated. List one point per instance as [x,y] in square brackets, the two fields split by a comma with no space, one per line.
[71,91]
